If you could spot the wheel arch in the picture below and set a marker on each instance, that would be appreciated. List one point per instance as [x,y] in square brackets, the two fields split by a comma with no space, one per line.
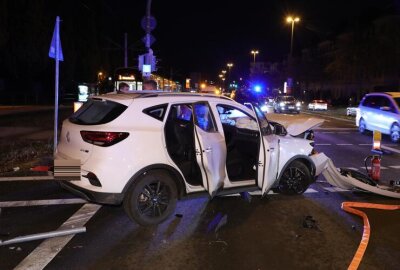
[175,175]
[302,158]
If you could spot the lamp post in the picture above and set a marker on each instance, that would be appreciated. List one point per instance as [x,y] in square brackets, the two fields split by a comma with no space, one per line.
[254,53]
[229,65]
[292,20]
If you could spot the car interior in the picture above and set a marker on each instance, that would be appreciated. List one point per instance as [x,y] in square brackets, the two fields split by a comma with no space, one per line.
[242,143]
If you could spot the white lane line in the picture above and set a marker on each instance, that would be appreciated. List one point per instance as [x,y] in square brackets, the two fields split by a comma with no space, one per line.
[352,168]
[369,168]
[258,193]
[335,189]
[344,144]
[41,202]
[323,144]
[49,248]
[390,149]
[26,178]
[335,128]
[365,144]
[328,132]
[395,167]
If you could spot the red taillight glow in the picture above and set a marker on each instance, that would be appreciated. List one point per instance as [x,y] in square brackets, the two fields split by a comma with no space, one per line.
[103,138]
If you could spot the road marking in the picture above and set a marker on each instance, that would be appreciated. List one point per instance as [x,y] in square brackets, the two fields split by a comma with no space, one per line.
[369,168]
[344,144]
[351,168]
[395,167]
[41,202]
[365,144]
[26,178]
[335,189]
[258,193]
[335,128]
[323,144]
[328,132]
[390,149]
[49,248]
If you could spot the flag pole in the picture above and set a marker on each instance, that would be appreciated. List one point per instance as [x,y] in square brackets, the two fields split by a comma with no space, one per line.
[56,85]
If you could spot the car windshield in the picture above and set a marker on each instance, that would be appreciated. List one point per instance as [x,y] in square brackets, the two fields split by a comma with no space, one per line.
[286,98]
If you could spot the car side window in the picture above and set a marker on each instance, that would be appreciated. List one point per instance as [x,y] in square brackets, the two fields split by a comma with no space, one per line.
[234,117]
[387,103]
[157,112]
[371,102]
[203,117]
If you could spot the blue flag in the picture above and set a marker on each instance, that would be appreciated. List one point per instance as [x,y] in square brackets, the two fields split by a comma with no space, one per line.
[54,40]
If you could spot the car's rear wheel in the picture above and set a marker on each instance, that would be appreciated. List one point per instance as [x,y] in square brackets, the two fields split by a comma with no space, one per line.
[151,199]
[395,133]
[362,127]
[295,179]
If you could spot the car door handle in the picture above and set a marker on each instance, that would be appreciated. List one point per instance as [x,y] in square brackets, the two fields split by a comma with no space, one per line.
[207,150]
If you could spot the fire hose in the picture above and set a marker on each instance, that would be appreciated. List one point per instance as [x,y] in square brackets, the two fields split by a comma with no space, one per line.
[348,207]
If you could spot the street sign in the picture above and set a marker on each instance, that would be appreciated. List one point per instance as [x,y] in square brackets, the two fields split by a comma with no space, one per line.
[148,23]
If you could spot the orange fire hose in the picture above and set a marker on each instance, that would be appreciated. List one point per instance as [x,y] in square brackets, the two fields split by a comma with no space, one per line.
[348,207]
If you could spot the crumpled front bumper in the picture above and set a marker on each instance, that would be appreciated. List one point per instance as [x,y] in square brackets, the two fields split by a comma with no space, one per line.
[333,176]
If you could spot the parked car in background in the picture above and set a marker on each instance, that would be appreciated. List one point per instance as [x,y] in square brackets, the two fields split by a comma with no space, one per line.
[288,104]
[380,111]
[318,104]
[351,111]
[148,149]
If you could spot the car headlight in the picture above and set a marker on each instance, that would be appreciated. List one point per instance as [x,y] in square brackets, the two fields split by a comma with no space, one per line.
[282,104]
[298,104]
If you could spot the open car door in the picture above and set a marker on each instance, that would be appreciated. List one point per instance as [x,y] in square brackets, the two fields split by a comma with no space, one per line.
[210,148]
[269,152]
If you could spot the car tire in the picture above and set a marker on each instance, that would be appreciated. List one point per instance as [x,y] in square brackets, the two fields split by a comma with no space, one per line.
[395,133]
[362,127]
[295,179]
[151,199]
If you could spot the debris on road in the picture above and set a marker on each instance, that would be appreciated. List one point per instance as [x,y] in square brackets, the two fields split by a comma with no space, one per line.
[310,223]
[38,236]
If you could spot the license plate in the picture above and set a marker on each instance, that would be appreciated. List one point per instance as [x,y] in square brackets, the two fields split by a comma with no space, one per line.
[291,107]
[69,170]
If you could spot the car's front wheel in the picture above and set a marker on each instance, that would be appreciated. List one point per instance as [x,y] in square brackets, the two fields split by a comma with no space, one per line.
[151,199]
[395,133]
[295,179]
[362,127]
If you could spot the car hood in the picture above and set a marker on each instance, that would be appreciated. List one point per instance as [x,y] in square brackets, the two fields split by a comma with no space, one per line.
[297,126]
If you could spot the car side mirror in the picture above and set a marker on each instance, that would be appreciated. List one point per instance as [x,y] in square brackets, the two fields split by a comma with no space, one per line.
[385,108]
[280,130]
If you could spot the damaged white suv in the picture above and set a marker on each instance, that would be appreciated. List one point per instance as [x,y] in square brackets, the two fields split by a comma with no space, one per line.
[149,149]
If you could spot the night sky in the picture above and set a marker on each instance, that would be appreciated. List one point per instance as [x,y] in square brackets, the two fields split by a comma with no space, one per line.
[205,35]
[191,36]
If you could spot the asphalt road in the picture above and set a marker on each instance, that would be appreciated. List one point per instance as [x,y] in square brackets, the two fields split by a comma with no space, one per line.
[275,232]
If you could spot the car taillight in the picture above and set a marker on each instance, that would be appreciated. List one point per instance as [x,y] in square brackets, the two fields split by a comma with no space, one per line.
[103,138]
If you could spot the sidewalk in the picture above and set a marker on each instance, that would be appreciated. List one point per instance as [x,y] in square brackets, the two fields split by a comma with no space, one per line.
[11,110]
[27,125]
[339,112]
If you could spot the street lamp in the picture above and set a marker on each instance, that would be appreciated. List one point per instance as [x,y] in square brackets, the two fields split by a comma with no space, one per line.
[229,65]
[254,52]
[292,20]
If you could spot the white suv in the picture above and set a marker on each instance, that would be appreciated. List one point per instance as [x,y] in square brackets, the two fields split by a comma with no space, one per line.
[149,149]
[380,111]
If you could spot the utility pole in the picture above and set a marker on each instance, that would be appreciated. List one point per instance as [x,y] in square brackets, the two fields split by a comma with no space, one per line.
[126,51]
[147,61]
